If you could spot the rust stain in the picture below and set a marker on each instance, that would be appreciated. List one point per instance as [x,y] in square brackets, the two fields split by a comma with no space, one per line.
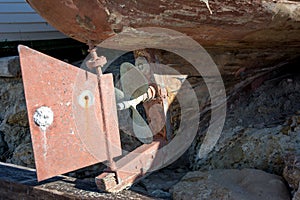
[85,22]
[86,99]
[86,110]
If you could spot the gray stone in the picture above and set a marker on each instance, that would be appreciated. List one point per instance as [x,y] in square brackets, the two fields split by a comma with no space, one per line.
[23,155]
[260,130]
[246,184]
[160,194]
[15,135]
[291,172]
[19,118]
[10,66]
[264,149]
[3,145]
[297,195]
[15,138]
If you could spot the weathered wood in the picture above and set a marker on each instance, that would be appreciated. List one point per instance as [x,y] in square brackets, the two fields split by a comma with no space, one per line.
[20,183]
[10,66]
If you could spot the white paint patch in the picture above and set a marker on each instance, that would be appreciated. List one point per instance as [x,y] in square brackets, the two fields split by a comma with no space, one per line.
[43,117]
[45,146]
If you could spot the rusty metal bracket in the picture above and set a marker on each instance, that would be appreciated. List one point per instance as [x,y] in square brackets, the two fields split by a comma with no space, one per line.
[81,120]
[73,121]
[131,168]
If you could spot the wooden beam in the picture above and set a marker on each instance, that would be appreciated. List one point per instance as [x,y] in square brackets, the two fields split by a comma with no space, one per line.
[18,182]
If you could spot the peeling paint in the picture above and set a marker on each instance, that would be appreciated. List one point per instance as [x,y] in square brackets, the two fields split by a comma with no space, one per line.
[85,22]
[207,5]
[291,9]
[70,3]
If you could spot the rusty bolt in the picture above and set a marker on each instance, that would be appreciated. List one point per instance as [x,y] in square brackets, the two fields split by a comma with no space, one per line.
[98,62]
[86,99]
[95,61]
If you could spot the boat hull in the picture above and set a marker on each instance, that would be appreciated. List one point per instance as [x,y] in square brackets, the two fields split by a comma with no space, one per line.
[232,23]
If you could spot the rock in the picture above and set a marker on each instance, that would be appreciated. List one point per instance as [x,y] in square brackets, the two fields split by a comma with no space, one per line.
[10,66]
[260,130]
[19,118]
[160,194]
[15,141]
[159,183]
[3,145]
[15,135]
[268,105]
[246,184]
[23,155]
[252,148]
[297,195]
[291,172]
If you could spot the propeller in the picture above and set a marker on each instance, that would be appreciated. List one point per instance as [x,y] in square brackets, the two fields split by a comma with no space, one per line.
[135,86]
[134,80]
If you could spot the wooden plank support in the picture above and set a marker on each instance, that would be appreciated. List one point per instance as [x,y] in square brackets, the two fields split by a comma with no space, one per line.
[10,66]
[18,182]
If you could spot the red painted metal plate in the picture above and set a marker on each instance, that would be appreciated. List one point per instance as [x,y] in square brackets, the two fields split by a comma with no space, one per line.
[76,138]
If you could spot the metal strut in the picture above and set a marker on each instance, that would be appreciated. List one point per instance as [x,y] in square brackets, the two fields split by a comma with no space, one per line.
[150,94]
[97,63]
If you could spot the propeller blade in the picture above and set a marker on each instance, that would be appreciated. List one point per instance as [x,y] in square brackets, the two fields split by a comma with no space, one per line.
[119,94]
[143,66]
[141,128]
[133,82]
